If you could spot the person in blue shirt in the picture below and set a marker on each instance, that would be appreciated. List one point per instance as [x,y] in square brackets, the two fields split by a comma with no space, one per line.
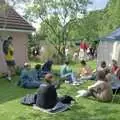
[26,78]
[47,66]
[36,73]
[66,72]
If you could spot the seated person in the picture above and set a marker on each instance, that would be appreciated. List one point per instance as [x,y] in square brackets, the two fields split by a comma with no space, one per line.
[26,79]
[113,80]
[103,66]
[115,69]
[86,72]
[47,66]
[66,72]
[101,90]
[46,94]
[36,72]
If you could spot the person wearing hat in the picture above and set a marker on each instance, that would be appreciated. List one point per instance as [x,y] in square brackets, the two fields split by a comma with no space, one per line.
[26,79]
[8,51]
[47,94]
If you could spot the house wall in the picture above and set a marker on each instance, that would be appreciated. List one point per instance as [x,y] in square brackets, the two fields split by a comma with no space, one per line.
[20,49]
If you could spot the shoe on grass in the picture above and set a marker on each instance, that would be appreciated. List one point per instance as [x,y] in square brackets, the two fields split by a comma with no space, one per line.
[9,78]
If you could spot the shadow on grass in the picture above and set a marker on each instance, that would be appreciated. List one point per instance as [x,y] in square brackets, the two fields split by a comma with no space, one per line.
[10,91]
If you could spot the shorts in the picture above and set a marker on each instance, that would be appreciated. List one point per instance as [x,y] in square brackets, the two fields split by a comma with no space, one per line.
[10,63]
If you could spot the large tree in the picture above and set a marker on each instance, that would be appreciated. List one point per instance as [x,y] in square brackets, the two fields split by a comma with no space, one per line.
[56,16]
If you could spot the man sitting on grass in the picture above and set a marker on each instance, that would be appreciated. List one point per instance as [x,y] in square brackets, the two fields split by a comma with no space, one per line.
[26,79]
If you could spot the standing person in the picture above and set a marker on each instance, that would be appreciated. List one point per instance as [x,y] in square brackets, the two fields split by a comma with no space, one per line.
[83,48]
[8,51]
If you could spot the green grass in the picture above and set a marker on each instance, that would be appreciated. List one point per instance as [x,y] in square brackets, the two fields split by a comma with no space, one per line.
[83,109]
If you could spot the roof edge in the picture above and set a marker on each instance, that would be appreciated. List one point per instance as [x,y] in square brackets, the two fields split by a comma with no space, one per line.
[17,30]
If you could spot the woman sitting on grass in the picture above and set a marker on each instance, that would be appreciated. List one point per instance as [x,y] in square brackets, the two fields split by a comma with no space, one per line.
[66,73]
[102,89]
[86,72]
[26,79]
[115,69]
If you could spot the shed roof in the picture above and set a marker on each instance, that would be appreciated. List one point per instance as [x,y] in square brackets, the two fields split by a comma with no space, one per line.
[10,20]
[115,35]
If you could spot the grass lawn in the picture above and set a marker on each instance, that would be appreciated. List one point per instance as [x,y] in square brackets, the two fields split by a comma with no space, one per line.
[83,109]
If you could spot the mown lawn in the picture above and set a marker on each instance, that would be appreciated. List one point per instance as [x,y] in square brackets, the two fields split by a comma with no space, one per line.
[83,109]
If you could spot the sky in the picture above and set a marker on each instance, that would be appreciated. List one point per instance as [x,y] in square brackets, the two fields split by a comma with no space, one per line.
[97,5]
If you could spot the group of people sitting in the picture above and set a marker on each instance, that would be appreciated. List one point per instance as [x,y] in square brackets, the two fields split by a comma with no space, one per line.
[31,77]
[106,81]
[85,73]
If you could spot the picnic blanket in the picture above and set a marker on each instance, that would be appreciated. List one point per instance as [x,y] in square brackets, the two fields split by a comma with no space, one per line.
[29,99]
[63,104]
[60,107]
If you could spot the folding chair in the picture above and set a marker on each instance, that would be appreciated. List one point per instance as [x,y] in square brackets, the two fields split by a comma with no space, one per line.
[115,94]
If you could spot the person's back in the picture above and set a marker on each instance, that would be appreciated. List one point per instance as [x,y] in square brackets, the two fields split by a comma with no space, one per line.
[5,47]
[36,73]
[102,88]
[47,66]
[47,95]
[25,77]
[106,92]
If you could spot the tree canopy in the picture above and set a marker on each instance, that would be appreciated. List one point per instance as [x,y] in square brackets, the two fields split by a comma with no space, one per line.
[56,17]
